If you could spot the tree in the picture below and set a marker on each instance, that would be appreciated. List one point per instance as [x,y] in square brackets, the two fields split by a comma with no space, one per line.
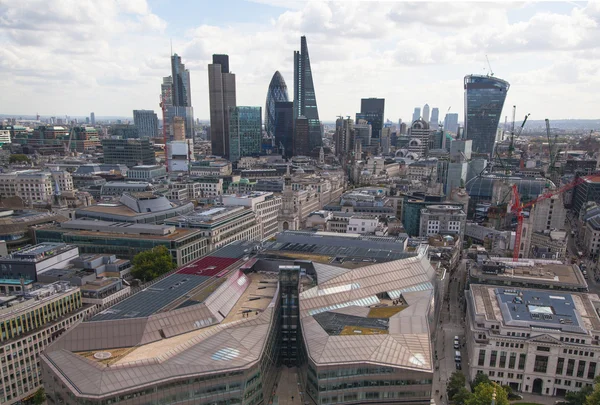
[484,392]
[455,383]
[18,158]
[578,397]
[462,396]
[594,397]
[39,397]
[152,263]
[480,379]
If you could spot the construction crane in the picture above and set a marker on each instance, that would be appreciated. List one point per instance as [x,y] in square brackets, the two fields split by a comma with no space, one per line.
[490,66]
[517,208]
[513,136]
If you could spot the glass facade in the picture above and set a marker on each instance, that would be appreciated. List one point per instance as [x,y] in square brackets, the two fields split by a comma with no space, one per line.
[284,127]
[484,99]
[245,132]
[305,100]
[371,110]
[277,93]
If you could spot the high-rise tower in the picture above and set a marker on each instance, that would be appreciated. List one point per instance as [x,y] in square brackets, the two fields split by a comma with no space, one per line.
[176,94]
[426,113]
[372,111]
[182,90]
[305,101]
[277,93]
[416,114]
[484,99]
[221,91]
[435,118]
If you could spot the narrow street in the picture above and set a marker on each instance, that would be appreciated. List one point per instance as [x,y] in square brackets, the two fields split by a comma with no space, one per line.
[452,324]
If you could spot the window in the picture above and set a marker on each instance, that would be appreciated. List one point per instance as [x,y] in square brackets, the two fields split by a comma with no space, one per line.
[493,357]
[570,367]
[560,365]
[591,370]
[541,364]
[581,369]
[512,360]
[481,361]
[543,349]
[502,359]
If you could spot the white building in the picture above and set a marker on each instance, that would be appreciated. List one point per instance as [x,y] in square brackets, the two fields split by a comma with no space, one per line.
[535,341]
[444,219]
[549,214]
[419,138]
[147,172]
[362,225]
[425,171]
[30,185]
[63,180]
[180,154]
[4,136]
[210,186]
[265,205]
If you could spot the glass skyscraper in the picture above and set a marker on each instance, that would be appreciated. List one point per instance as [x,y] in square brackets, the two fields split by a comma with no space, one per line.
[484,99]
[277,93]
[371,110]
[245,132]
[176,94]
[284,127]
[305,101]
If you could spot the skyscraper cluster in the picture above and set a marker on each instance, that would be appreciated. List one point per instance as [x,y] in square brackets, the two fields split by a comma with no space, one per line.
[176,98]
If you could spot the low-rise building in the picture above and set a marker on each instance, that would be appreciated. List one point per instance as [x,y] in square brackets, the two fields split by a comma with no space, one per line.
[147,173]
[266,206]
[33,186]
[442,219]
[535,341]
[550,244]
[29,323]
[221,225]
[30,261]
[116,188]
[125,240]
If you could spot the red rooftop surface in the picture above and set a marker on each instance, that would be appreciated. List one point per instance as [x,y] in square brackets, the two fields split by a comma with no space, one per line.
[208,266]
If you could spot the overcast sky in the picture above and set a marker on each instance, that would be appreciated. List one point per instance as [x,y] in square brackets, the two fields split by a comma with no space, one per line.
[109,56]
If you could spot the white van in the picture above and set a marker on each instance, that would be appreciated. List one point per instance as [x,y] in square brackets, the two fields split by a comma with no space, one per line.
[457,356]
[456,342]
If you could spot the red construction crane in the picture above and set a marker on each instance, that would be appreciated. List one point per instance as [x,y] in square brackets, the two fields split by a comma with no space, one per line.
[518,208]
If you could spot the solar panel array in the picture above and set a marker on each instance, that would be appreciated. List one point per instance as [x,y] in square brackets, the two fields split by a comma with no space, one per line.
[153,298]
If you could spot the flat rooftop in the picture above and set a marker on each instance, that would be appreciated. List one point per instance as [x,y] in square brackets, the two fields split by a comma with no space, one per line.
[521,307]
[179,233]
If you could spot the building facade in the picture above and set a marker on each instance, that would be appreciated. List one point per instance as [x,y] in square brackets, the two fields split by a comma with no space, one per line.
[283,128]
[276,93]
[534,341]
[245,132]
[419,138]
[305,100]
[146,122]
[30,185]
[222,96]
[484,100]
[130,152]
[442,219]
[372,111]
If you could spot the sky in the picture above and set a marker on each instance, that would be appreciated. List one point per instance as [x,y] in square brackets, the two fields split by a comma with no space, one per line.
[71,57]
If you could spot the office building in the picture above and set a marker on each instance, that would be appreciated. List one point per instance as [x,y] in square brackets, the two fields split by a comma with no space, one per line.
[224,344]
[31,261]
[130,152]
[221,91]
[93,118]
[284,128]
[344,137]
[305,100]
[176,93]
[180,155]
[30,323]
[301,137]
[124,131]
[451,123]
[588,190]
[265,205]
[419,138]
[435,118]
[277,92]
[425,116]
[125,240]
[147,173]
[146,122]
[166,91]
[385,141]
[245,132]
[549,214]
[484,100]
[547,244]
[185,114]
[4,136]
[363,133]
[442,219]
[416,114]
[372,111]
[181,90]
[535,341]
[32,186]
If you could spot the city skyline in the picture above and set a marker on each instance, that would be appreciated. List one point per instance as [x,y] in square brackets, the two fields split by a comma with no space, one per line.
[260,38]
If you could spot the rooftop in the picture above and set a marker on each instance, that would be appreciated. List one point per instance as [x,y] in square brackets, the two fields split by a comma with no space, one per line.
[39,252]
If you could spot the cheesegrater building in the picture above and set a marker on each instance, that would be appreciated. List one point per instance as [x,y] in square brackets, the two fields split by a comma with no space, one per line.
[215,331]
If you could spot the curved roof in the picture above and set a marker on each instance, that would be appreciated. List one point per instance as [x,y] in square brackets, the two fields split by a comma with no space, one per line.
[277,92]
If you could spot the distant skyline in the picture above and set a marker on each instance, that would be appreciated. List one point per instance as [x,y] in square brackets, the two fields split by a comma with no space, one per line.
[74,57]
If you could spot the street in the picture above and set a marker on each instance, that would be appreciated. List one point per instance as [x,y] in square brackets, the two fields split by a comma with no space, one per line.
[452,324]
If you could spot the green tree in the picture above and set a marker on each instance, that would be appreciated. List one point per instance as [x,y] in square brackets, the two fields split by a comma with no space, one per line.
[594,397]
[484,392]
[18,158]
[480,379]
[455,383]
[39,397]
[462,396]
[152,263]
[579,397]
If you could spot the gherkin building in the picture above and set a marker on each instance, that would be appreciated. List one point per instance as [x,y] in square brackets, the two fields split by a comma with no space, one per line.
[277,92]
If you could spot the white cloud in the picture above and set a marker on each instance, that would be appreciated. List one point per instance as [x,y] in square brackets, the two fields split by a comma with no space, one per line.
[110,55]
